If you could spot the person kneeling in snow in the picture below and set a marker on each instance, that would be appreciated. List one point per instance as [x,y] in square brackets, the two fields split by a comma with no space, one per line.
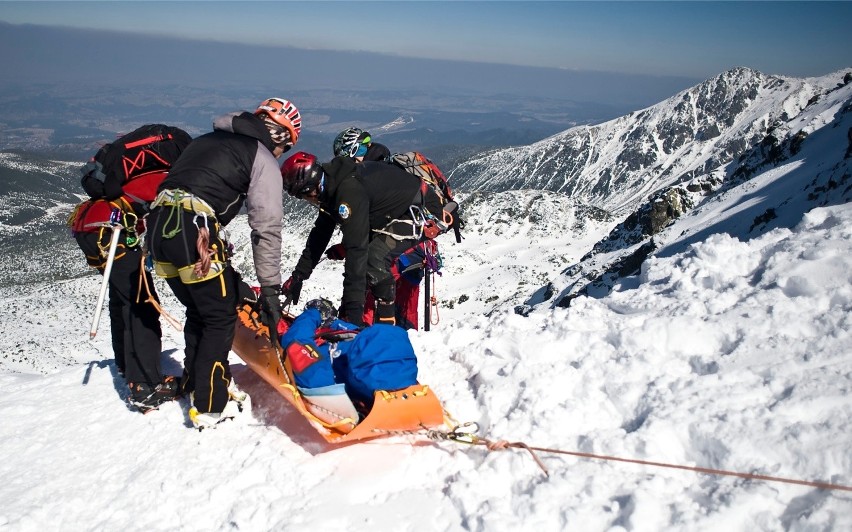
[338,367]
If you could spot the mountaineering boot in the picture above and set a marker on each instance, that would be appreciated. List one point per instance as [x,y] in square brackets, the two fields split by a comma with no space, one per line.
[240,397]
[169,389]
[385,312]
[238,401]
[146,397]
[204,420]
[143,397]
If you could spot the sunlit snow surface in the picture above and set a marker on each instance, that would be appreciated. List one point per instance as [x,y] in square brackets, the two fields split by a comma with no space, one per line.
[730,355]
[727,351]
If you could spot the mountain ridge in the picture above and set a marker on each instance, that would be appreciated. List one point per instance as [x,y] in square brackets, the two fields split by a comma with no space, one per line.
[807,158]
[613,243]
[615,164]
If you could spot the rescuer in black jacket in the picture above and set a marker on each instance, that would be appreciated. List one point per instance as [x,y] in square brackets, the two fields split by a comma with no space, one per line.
[380,209]
[218,172]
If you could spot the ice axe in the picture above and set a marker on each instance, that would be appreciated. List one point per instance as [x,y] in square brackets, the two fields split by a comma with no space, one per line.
[114,220]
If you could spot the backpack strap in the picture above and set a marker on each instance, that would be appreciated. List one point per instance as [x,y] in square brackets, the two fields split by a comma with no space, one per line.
[148,140]
[93,169]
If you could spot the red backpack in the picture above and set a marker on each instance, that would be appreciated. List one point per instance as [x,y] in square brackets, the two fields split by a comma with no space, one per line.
[418,164]
[134,164]
[123,176]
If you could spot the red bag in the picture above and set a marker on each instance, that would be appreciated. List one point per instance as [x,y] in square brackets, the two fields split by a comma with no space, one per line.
[133,163]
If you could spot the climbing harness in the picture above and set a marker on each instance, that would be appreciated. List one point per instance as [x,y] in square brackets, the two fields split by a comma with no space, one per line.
[423,224]
[102,217]
[417,221]
[212,259]
[179,201]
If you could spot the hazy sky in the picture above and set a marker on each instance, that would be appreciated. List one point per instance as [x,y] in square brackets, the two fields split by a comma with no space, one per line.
[695,39]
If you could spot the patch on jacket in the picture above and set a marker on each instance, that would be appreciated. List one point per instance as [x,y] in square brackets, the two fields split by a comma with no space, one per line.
[344,211]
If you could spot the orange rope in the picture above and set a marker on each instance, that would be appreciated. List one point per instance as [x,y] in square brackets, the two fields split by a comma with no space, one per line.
[143,283]
[503,444]
[434,302]
[202,245]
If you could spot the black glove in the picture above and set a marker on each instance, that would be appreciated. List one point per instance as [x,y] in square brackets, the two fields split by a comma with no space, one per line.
[353,313]
[245,294]
[270,311]
[325,308]
[336,252]
[291,289]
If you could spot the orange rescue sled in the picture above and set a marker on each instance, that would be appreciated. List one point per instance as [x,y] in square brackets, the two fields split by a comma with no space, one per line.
[410,409]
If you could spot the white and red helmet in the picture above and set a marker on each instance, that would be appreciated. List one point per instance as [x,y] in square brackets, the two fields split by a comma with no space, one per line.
[283,113]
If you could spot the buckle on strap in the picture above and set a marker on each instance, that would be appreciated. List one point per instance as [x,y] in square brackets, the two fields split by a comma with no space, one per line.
[185,200]
[416,230]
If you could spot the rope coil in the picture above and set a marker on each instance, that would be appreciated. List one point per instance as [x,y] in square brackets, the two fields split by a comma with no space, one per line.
[202,246]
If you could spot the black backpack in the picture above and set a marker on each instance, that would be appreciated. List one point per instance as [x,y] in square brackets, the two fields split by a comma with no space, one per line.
[147,152]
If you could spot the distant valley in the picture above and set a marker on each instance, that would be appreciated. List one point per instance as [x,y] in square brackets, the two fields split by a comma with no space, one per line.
[68,122]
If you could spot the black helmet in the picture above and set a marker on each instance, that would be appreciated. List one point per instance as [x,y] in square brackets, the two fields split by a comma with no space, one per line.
[301,173]
[349,141]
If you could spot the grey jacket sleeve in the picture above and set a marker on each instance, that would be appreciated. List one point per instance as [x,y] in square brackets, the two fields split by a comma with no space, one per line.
[225,122]
[265,210]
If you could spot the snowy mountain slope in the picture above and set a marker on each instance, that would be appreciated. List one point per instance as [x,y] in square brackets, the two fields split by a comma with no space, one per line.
[513,242]
[722,356]
[806,164]
[30,184]
[36,195]
[729,352]
[617,164]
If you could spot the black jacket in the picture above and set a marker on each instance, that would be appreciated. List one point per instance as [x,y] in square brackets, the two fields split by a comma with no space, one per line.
[377,152]
[360,198]
[231,165]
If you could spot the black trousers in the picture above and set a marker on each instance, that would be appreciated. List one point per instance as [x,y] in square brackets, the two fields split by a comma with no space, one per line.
[383,250]
[211,311]
[135,327]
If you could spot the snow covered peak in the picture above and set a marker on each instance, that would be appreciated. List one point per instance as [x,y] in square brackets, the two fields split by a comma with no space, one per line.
[618,163]
[799,158]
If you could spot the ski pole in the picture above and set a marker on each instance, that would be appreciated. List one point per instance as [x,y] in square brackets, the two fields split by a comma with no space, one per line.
[113,244]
